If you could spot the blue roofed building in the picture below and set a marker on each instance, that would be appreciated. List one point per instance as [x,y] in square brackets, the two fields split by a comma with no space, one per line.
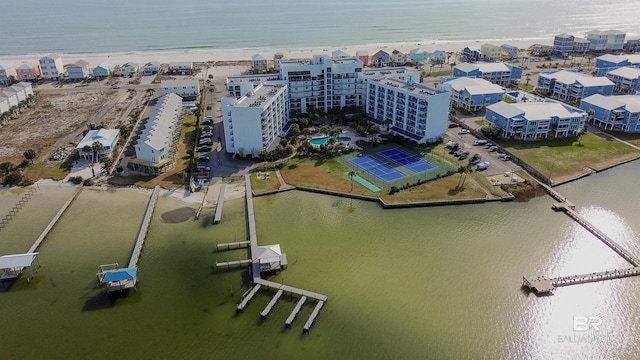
[418,55]
[496,73]
[471,54]
[626,79]
[536,120]
[618,112]
[568,85]
[608,62]
[472,93]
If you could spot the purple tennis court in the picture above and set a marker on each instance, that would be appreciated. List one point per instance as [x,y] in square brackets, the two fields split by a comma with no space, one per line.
[409,161]
[377,168]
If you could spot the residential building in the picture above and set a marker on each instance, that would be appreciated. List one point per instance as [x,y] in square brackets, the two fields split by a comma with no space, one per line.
[413,111]
[619,112]
[563,44]
[536,120]
[151,68]
[7,72]
[473,93]
[28,72]
[626,79]
[497,73]
[363,55]
[632,46]
[339,54]
[103,70]
[540,50]
[572,86]
[491,52]
[581,45]
[471,54]
[606,40]
[608,62]
[510,52]
[418,55]
[380,59]
[52,67]
[255,122]
[129,69]
[5,106]
[187,89]
[323,83]
[22,90]
[78,70]
[155,148]
[13,95]
[276,60]
[108,139]
[438,56]
[399,58]
[240,85]
[259,64]
[181,67]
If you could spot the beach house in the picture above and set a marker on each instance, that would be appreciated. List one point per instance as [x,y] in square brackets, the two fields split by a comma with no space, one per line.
[608,62]
[491,52]
[626,79]
[129,69]
[581,45]
[418,55]
[380,59]
[187,89]
[151,68]
[606,40]
[156,146]
[12,95]
[181,68]
[102,71]
[411,110]
[52,67]
[618,112]
[472,93]
[510,52]
[363,55]
[255,121]
[89,149]
[28,72]
[536,120]
[78,71]
[7,73]
[563,44]
[568,85]
[339,54]
[399,58]
[497,73]
[438,57]
[259,64]
[471,54]
[632,46]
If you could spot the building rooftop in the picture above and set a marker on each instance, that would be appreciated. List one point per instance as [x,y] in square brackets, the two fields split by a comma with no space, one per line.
[261,94]
[104,136]
[417,89]
[158,130]
[179,83]
[630,102]
[535,111]
[571,77]
[626,72]
[474,85]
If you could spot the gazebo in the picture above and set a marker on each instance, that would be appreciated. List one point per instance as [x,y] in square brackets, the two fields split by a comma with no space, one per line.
[12,265]
[116,278]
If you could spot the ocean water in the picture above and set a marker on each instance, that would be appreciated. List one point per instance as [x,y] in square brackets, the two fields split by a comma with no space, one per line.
[78,26]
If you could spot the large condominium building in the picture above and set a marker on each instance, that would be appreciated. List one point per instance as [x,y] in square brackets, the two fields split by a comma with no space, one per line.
[606,40]
[497,73]
[323,83]
[572,86]
[536,120]
[565,44]
[413,111]
[255,121]
[156,146]
[608,62]
[621,112]
[188,89]
[627,79]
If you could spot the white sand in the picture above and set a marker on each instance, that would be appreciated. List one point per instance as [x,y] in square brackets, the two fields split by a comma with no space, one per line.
[239,55]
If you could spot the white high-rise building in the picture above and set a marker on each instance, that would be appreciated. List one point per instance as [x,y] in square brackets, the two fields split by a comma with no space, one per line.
[255,121]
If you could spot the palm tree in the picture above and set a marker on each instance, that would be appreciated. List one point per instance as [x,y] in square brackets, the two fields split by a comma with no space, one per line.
[96,147]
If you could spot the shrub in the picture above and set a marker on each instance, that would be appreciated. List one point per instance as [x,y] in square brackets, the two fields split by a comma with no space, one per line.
[292,166]
[75,179]
[88,182]
[13,178]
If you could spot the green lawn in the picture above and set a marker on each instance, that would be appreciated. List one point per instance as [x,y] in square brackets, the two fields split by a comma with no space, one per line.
[632,138]
[264,184]
[561,159]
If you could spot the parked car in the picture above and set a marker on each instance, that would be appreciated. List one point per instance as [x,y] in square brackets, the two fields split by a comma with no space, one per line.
[203,158]
[206,134]
[480,142]
[115,87]
[494,148]
[205,141]
[449,144]
[453,125]
[464,153]
[203,167]
[506,158]
[205,148]
[501,155]
[463,156]
[206,122]
[463,131]
[482,166]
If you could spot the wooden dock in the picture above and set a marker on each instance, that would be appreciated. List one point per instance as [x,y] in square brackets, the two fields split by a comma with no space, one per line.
[230,264]
[271,304]
[295,311]
[290,290]
[314,315]
[218,215]
[247,298]
[144,227]
[53,221]
[232,245]
[251,221]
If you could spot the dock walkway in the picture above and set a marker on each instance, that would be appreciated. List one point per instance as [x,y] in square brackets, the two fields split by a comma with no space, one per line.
[271,304]
[232,245]
[314,314]
[144,227]
[247,298]
[218,215]
[295,311]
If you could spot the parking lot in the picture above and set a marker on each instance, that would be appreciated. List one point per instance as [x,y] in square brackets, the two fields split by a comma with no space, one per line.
[496,164]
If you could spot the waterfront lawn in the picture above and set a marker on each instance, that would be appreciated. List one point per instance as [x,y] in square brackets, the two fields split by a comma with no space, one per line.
[563,159]
[262,184]
[632,138]
[48,170]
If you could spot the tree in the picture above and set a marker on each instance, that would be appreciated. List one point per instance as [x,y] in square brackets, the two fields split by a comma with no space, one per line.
[5,168]
[360,130]
[375,129]
[106,162]
[150,92]
[295,130]
[491,131]
[304,122]
[96,147]
[13,178]
[30,155]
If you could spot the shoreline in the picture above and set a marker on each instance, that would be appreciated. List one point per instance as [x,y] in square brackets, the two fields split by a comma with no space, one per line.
[206,55]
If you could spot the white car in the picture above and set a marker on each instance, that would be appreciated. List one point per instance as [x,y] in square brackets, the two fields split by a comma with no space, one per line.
[482,166]
[115,87]
[463,131]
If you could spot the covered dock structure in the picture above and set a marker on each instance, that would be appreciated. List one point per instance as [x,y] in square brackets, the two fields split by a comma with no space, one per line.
[13,265]
[117,279]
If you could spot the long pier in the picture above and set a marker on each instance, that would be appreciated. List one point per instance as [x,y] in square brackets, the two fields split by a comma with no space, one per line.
[229,264]
[260,283]
[233,245]
[144,227]
[218,215]
[547,285]
[53,221]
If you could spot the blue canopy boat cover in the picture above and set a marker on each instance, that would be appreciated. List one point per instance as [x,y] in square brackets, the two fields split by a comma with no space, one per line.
[120,275]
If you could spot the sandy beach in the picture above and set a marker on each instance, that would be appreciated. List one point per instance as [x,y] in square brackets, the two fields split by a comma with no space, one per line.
[246,54]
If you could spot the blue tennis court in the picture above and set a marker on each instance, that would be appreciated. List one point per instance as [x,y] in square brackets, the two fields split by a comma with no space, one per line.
[411,162]
[377,168]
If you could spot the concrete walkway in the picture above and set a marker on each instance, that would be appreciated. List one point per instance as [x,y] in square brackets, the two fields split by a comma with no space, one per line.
[283,185]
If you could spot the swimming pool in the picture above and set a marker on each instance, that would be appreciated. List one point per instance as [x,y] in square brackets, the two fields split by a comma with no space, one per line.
[322,140]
